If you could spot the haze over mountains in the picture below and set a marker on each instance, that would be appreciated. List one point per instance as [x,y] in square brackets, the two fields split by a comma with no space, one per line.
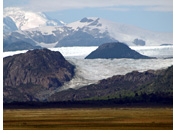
[90,31]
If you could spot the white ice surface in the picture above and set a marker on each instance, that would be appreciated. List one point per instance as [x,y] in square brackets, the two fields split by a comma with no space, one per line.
[155,51]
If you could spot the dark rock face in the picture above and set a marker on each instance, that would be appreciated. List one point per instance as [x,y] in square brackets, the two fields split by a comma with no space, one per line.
[26,75]
[115,50]
[86,20]
[113,86]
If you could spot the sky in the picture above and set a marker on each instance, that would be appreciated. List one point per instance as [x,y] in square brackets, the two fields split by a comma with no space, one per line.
[154,15]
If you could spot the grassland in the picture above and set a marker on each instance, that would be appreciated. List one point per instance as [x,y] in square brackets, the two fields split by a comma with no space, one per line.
[88,118]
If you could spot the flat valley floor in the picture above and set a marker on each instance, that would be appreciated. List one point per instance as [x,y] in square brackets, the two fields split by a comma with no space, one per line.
[88,119]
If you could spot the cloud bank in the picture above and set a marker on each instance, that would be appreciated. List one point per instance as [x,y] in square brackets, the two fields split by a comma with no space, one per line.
[57,5]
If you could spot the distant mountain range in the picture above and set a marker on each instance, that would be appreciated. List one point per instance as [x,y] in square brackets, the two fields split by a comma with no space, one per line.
[38,29]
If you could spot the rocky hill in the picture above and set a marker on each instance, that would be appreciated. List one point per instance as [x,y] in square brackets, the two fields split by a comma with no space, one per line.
[30,76]
[115,50]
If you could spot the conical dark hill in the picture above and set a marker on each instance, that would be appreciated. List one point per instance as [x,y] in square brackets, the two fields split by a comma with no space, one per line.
[115,50]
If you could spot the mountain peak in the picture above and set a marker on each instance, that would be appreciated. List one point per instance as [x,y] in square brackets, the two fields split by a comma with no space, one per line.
[28,19]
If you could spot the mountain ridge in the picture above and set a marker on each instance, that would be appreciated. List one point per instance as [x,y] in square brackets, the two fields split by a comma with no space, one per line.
[97,31]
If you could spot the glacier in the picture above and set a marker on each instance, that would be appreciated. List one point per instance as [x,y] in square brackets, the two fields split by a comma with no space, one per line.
[89,71]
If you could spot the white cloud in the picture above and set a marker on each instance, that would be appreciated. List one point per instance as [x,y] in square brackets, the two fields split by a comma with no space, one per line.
[54,5]
[160,8]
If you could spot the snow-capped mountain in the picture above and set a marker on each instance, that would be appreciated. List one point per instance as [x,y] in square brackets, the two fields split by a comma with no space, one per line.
[27,19]
[89,32]
[121,32]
